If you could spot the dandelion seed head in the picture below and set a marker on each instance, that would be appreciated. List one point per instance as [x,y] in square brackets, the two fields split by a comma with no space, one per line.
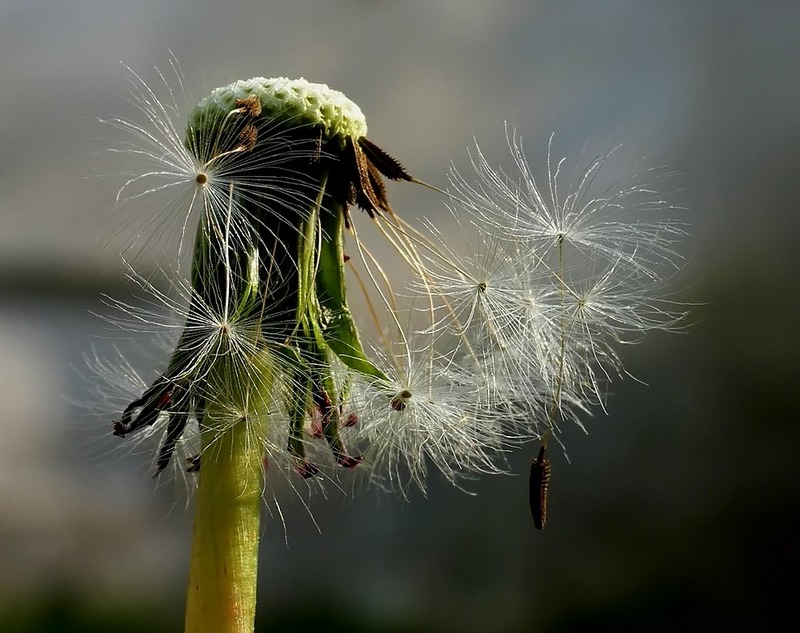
[296,100]
[519,330]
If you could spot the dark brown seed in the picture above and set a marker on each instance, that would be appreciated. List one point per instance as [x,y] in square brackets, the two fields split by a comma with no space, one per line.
[250,106]
[193,464]
[351,420]
[247,138]
[398,403]
[349,461]
[306,469]
[540,479]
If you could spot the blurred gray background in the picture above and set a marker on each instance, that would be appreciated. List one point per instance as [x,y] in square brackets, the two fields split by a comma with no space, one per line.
[679,506]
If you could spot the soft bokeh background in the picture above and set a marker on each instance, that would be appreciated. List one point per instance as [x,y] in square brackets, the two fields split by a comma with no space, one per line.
[681,506]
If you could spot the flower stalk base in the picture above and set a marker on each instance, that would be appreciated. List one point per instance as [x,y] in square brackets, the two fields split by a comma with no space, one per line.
[222,579]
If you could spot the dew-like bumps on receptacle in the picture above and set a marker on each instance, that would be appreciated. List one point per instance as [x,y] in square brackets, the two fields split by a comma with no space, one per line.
[281,99]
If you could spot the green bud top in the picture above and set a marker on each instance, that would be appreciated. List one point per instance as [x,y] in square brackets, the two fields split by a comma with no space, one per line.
[294,101]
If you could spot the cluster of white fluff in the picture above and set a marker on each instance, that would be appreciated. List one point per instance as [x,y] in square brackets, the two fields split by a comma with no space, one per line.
[530,291]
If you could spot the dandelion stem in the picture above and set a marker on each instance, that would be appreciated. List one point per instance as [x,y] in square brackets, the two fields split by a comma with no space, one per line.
[224,561]
[222,578]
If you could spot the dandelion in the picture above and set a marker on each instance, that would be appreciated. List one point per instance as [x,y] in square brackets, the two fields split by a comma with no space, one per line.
[510,337]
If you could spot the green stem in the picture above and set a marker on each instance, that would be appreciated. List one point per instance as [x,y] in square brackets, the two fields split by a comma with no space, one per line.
[222,578]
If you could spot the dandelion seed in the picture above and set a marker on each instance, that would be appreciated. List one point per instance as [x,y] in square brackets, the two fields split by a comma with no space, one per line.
[539,482]
[420,415]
